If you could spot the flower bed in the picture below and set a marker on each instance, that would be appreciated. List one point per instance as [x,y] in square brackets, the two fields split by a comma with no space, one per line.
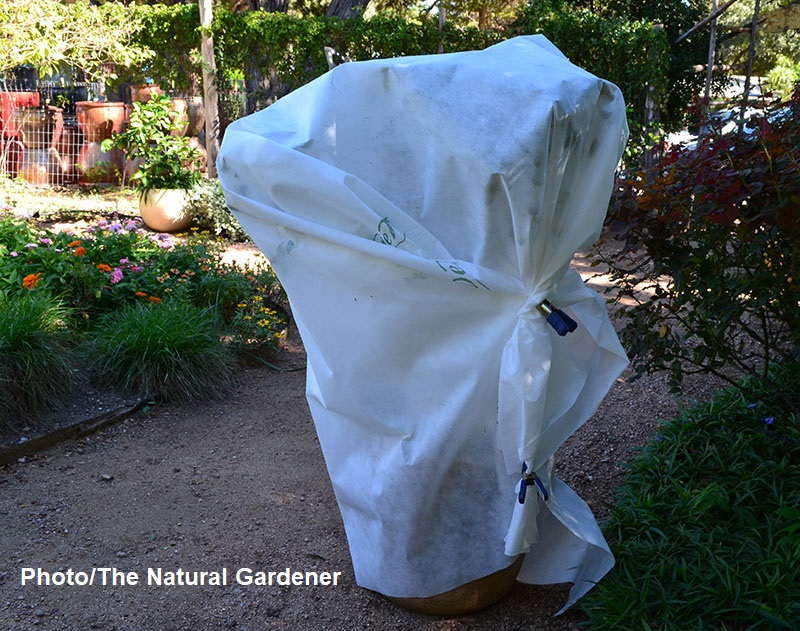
[174,294]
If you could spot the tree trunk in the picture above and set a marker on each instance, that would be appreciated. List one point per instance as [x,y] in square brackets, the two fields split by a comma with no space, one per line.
[346,9]
[210,102]
[262,90]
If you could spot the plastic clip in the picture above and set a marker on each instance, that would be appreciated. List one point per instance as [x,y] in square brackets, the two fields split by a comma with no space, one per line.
[557,319]
[529,479]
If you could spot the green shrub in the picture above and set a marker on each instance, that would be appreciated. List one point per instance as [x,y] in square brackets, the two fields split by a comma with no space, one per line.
[710,268]
[629,53]
[168,351]
[706,528]
[36,369]
[206,203]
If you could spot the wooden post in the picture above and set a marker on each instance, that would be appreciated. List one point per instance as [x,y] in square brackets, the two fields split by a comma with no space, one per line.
[442,20]
[750,57]
[210,101]
[712,46]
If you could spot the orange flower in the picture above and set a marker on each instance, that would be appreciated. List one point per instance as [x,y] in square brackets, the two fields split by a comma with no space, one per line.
[140,294]
[73,244]
[154,299]
[80,251]
[103,267]
[31,280]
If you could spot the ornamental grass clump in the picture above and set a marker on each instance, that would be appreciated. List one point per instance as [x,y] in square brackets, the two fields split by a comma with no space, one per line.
[167,351]
[706,528]
[36,368]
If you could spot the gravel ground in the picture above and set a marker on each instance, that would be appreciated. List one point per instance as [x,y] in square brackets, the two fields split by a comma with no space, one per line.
[235,484]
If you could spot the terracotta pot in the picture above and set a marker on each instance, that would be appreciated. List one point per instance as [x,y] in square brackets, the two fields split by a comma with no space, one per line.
[163,210]
[10,101]
[197,116]
[11,152]
[143,93]
[98,120]
[180,115]
[35,167]
[190,114]
[194,143]
[39,128]
[96,166]
[467,598]
[68,148]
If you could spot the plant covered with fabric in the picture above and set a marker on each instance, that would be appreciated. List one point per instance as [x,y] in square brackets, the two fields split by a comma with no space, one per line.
[709,275]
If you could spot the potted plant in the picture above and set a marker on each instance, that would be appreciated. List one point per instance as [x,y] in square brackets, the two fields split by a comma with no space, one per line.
[166,165]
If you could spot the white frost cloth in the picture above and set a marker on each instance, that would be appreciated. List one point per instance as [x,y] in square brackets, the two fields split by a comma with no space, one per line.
[417,210]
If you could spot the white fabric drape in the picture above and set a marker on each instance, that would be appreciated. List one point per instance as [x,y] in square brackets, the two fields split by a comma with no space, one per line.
[417,211]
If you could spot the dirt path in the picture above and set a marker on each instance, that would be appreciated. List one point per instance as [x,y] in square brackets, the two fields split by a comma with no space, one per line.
[241,483]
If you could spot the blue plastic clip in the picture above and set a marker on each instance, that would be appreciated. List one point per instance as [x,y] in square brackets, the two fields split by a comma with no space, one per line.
[557,319]
[529,479]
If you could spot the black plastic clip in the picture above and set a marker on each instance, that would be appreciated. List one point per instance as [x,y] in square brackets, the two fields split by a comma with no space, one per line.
[557,319]
[529,479]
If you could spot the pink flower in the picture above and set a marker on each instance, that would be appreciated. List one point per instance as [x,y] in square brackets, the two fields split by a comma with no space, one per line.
[116,276]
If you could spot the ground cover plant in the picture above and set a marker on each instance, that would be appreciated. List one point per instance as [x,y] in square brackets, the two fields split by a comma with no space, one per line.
[154,314]
[706,527]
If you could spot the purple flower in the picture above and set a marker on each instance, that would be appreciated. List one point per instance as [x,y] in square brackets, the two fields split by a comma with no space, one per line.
[45,241]
[31,246]
[769,420]
[116,276]
[13,254]
[131,226]
[752,406]
[115,228]
[102,223]
[90,230]
[123,261]
[137,268]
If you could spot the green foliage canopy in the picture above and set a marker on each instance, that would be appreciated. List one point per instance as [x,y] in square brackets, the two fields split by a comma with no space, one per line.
[53,36]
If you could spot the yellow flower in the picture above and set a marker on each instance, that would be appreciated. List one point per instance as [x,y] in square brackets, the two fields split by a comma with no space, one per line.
[242,305]
[258,298]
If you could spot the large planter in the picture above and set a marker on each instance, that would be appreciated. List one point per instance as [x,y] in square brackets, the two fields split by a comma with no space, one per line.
[189,113]
[144,92]
[468,598]
[98,120]
[40,130]
[197,116]
[164,210]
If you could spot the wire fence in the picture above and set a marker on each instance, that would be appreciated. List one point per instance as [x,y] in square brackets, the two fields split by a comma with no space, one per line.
[51,134]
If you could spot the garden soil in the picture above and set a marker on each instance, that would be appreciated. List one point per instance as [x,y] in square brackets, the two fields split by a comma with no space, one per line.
[241,483]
